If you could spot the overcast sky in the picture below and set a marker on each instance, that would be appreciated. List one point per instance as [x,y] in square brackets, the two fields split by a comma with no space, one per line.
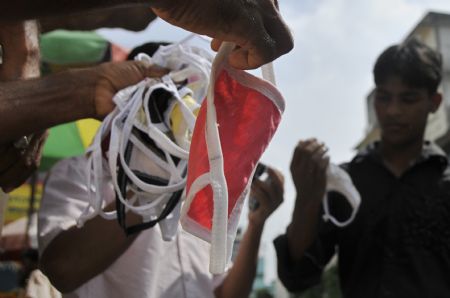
[325,79]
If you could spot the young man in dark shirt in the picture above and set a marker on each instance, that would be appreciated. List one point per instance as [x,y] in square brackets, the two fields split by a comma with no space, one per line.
[399,243]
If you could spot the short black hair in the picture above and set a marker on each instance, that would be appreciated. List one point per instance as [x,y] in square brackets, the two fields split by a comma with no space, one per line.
[415,63]
[148,48]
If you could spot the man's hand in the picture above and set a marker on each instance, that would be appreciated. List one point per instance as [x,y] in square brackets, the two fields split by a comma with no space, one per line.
[19,160]
[255,26]
[112,77]
[308,168]
[269,195]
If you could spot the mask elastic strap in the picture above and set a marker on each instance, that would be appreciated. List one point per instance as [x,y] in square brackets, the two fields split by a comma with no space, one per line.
[218,258]
[125,144]
[95,170]
[130,174]
[340,181]
[268,73]
[169,206]
[327,215]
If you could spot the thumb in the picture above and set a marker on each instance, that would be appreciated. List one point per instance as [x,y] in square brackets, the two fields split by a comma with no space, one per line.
[151,70]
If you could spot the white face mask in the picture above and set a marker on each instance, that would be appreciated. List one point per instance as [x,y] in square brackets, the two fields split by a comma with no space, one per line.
[339,181]
[227,144]
[148,148]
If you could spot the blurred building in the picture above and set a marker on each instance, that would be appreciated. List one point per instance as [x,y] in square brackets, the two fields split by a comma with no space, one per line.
[433,30]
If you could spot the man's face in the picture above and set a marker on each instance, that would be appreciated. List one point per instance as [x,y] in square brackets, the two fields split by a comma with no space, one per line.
[402,110]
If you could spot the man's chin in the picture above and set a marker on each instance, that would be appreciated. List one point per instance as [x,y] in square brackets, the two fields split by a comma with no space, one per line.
[394,140]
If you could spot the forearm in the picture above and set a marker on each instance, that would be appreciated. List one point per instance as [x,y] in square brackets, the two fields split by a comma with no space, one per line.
[302,230]
[31,9]
[136,17]
[33,105]
[20,50]
[239,280]
[77,255]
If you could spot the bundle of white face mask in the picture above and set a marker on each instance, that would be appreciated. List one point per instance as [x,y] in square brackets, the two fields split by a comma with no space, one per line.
[147,154]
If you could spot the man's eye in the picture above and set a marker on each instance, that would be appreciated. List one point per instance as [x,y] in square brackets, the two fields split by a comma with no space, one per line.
[381,98]
[409,99]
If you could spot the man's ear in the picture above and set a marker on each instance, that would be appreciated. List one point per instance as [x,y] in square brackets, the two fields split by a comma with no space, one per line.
[436,100]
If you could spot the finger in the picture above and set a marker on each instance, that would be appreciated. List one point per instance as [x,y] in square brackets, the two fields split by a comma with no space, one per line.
[312,147]
[269,38]
[306,152]
[215,44]
[320,169]
[299,151]
[257,190]
[276,179]
[272,188]
[254,46]
[275,2]
[324,163]
[151,70]
[320,160]
[156,71]
[303,145]
[262,194]
[319,151]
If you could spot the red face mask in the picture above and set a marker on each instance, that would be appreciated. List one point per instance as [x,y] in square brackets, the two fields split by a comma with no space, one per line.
[234,127]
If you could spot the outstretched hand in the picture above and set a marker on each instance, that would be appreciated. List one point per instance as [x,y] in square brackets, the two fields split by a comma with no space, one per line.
[268,194]
[308,168]
[255,26]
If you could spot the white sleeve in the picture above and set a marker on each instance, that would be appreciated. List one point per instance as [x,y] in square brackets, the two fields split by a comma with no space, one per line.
[64,198]
[218,279]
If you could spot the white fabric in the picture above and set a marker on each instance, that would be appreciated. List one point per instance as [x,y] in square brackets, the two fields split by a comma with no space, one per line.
[38,286]
[150,267]
[119,125]
[189,65]
[221,236]
[340,181]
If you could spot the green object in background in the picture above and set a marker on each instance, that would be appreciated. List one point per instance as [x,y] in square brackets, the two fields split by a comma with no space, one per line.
[67,140]
[64,47]
[63,141]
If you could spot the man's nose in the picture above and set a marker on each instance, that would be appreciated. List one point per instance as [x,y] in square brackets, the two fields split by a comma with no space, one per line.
[394,107]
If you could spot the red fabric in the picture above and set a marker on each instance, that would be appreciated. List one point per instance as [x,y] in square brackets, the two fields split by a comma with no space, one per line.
[247,121]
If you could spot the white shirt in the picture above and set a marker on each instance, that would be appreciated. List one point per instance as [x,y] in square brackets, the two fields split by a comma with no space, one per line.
[149,268]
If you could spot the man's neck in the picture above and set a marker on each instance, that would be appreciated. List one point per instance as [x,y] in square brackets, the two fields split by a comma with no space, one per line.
[399,157]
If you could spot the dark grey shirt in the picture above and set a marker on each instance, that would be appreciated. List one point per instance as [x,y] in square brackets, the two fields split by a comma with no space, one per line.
[399,243]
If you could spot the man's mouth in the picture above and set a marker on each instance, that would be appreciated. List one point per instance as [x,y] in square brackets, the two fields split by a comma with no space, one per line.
[395,126]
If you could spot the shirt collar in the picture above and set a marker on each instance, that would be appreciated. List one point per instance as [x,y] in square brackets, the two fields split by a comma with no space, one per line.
[430,153]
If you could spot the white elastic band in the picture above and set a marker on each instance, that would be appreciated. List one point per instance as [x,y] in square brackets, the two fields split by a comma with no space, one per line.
[217,180]
[268,73]
[327,216]
[119,125]
[340,181]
